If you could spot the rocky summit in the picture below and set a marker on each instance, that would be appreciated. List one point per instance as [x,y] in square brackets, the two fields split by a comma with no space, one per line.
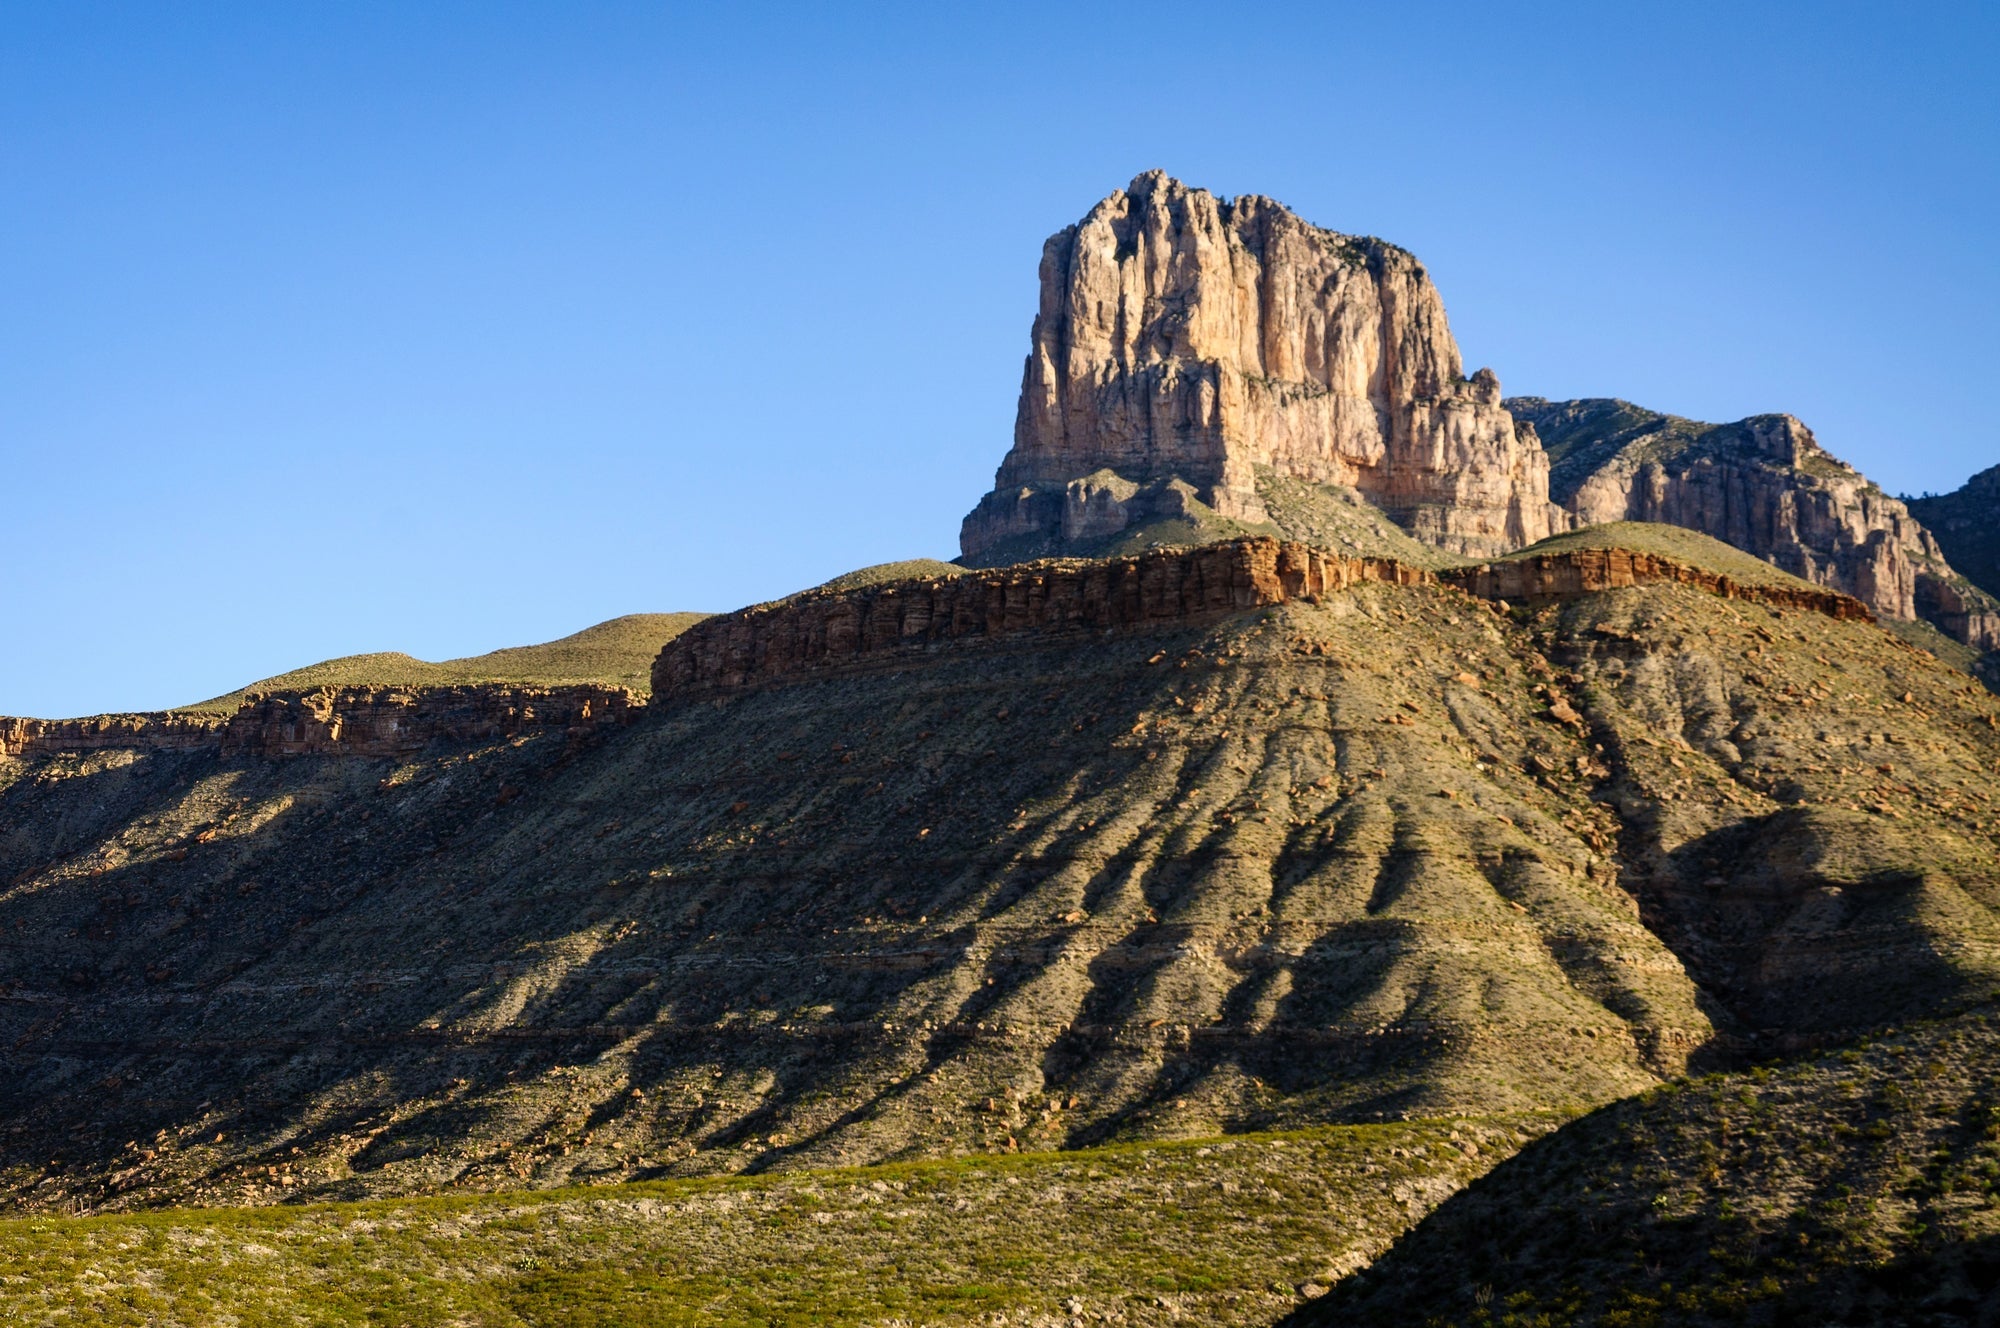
[1766,486]
[1184,341]
[1336,845]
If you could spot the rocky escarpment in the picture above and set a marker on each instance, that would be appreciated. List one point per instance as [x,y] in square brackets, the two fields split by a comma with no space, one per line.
[1966,523]
[351,721]
[1162,587]
[872,625]
[1764,485]
[168,731]
[1184,340]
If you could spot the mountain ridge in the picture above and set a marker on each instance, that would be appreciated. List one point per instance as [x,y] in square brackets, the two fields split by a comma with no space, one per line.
[1338,791]
[1764,485]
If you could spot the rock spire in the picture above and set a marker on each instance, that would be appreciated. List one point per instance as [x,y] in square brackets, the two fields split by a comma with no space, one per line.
[1185,340]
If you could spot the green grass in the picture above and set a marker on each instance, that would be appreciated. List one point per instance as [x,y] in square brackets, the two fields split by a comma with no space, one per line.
[1227,1229]
[1926,637]
[910,569]
[1676,542]
[619,652]
[1858,1185]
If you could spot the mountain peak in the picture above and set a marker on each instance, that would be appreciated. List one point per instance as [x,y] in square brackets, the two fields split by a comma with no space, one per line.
[1184,340]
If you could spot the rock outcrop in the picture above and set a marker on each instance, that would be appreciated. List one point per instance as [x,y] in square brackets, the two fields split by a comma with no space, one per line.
[1966,523]
[361,721]
[164,732]
[330,721]
[869,626]
[1184,340]
[1587,571]
[1764,485]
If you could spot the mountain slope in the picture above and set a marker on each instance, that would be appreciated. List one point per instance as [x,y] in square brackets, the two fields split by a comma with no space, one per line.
[1852,1188]
[1966,523]
[1044,891]
[618,652]
[1382,851]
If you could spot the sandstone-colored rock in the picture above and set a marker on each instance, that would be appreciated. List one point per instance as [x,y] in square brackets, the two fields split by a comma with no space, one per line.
[1183,336]
[1765,485]
[876,625]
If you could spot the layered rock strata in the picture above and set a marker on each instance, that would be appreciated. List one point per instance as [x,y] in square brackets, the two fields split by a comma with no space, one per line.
[1586,571]
[147,732]
[346,721]
[1184,340]
[829,630]
[1765,485]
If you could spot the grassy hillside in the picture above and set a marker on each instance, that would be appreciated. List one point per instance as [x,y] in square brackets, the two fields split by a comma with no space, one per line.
[1226,1230]
[1858,1187]
[911,569]
[1339,519]
[619,652]
[1676,542]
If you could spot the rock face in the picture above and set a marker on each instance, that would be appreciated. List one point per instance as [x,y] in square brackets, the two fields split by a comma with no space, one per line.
[330,721]
[1967,526]
[1184,340]
[1764,485]
[871,625]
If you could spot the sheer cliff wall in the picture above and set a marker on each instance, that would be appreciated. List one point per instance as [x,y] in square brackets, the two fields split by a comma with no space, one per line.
[1186,338]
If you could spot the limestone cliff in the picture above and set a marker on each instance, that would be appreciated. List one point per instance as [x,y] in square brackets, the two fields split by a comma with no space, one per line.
[1966,523]
[1185,340]
[1765,485]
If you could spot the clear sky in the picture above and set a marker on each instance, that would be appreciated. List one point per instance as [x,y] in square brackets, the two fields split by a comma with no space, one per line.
[332,327]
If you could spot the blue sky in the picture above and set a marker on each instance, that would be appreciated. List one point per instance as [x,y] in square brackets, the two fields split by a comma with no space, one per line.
[441,327]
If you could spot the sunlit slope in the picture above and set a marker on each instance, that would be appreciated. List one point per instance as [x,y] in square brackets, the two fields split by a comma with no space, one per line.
[1279,869]
[1397,853]
[1329,516]
[1676,542]
[910,569]
[618,652]
[1229,1230]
